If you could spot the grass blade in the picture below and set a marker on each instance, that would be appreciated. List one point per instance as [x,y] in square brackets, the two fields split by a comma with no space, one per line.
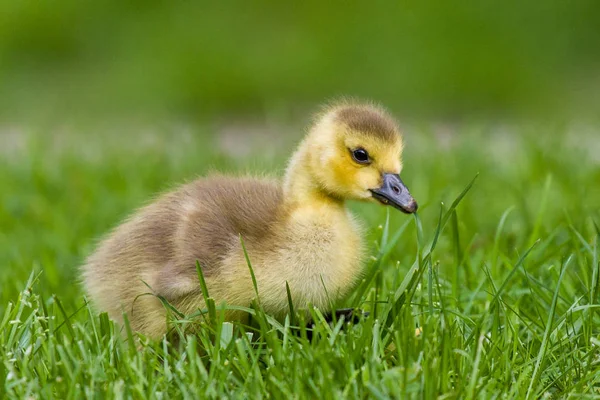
[544,346]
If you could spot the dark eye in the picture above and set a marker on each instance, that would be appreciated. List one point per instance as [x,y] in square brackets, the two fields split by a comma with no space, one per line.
[361,156]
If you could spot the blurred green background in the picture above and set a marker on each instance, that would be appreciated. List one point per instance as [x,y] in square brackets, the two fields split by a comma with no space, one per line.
[425,59]
[104,104]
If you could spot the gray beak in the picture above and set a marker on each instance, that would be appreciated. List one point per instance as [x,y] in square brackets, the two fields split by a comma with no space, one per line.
[395,193]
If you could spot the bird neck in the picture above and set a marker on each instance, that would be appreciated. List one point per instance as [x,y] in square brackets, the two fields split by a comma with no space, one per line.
[301,189]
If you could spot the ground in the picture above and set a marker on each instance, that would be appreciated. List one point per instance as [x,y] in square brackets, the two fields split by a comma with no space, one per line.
[500,277]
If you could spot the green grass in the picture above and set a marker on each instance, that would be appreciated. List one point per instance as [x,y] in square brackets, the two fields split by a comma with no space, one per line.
[503,284]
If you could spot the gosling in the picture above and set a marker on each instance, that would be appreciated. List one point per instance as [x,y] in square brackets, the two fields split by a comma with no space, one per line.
[296,232]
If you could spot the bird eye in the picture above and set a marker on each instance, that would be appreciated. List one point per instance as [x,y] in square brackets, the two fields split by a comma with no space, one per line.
[361,156]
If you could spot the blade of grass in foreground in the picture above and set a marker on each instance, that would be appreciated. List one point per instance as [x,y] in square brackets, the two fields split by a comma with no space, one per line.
[544,346]
[496,299]
[290,304]
[209,302]
[3,374]
[384,251]
[408,286]
[254,283]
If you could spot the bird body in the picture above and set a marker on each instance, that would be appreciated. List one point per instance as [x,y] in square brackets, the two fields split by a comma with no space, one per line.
[296,233]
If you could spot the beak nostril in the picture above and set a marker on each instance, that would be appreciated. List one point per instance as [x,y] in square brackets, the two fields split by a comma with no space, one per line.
[396,189]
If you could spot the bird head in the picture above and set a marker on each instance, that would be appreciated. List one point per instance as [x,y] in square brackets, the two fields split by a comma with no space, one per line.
[354,152]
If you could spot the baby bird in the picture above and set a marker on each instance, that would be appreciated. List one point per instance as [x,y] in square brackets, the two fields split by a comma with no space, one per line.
[297,231]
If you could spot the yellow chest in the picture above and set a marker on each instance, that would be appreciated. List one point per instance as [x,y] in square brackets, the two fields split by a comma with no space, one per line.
[319,254]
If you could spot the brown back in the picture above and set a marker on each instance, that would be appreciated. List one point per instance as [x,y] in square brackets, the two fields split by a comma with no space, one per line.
[222,210]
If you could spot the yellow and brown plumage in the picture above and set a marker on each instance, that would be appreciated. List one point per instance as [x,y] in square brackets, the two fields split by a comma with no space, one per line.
[296,231]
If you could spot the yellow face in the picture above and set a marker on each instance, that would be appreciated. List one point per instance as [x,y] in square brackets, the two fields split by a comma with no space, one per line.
[353,163]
